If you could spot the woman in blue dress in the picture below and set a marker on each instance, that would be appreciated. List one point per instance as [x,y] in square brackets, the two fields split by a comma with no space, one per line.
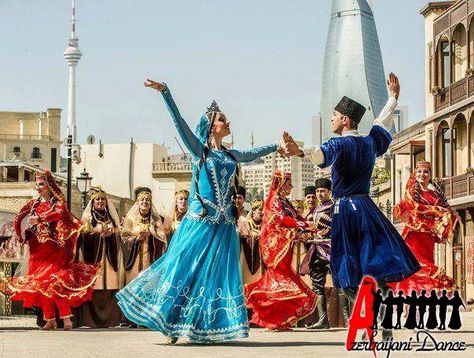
[195,289]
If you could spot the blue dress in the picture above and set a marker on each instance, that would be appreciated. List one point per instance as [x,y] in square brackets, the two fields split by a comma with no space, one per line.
[195,289]
[363,241]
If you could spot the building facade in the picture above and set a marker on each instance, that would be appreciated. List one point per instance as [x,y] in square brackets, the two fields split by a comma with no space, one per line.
[445,136]
[31,137]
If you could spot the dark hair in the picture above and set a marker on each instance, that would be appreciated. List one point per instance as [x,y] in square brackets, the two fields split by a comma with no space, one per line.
[353,124]
[235,211]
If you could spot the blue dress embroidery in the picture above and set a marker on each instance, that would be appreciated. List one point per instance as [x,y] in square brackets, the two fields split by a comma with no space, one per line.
[363,241]
[195,289]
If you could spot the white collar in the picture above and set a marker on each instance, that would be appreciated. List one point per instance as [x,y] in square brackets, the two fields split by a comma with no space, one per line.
[352,132]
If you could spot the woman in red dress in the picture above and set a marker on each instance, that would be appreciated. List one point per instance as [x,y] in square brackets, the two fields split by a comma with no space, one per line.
[280,297]
[428,220]
[54,279]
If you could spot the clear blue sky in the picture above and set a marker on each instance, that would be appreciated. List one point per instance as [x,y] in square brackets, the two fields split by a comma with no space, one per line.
[260,59]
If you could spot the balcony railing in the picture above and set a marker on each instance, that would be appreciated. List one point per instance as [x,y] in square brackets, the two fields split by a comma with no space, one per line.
[172,167]
[454,93]
[23,137]
[458,186]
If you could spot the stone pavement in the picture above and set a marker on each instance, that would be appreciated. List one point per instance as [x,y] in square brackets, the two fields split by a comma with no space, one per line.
[20,338]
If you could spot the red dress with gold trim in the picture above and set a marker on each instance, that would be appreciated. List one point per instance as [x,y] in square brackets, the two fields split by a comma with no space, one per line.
[53,276]
[428,220]
[280,297]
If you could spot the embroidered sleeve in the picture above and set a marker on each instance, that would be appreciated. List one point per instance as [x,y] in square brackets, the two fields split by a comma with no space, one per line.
[24,211]
[254,153]
[285,220]
[53,215]
[190,140]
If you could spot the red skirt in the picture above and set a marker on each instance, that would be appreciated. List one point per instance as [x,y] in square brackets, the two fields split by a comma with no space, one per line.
[52,276]
[280,297]
[429,277]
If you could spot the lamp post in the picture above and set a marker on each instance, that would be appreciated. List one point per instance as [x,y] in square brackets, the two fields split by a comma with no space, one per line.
[83,182]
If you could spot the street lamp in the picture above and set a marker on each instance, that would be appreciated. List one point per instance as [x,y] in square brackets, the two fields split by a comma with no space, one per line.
[83,182]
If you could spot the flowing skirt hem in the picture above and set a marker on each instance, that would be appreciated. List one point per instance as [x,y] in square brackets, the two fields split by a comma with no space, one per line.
[144,315]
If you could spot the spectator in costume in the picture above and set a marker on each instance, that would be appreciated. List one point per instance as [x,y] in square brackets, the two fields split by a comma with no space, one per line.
[100,244]
[428,219]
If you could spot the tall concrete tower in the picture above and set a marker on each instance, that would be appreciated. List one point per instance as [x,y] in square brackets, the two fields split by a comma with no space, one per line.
[72,56]
[353,63]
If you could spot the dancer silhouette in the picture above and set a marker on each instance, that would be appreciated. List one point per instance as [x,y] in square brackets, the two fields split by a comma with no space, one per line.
[432,303]
[422,303]
[378,300]
[389,301]
[443,306]
[410,323]
[456,302]
[399,302]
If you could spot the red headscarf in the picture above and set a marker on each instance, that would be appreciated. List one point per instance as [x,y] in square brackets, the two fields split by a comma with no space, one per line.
[275,239]
[420,215]
[69,226]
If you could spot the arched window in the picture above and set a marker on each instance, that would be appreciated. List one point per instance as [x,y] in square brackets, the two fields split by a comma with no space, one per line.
[36,153]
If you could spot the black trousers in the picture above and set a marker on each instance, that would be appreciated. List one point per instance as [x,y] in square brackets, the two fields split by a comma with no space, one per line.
[318,270]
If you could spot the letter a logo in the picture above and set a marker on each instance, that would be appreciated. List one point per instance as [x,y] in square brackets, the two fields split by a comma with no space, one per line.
[364,302]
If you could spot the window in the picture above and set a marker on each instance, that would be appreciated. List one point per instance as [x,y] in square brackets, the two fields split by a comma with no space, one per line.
[16,150]
[36,153]
[445,67]
[447,153]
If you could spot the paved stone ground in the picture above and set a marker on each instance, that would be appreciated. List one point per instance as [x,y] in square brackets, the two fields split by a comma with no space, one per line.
[20,338]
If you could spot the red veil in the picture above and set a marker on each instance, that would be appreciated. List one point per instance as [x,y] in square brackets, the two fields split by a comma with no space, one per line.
[53,275]
[276,237]
[419,215]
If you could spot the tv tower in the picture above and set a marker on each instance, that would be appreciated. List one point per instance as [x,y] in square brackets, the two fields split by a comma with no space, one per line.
[72,56]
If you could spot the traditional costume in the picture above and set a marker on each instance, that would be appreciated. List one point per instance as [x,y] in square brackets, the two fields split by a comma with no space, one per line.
[106,252]
[195,289]
[363,241]
[280,297]
[140,254]
[242,192]
[54,280]
[316,261]
[249,232]
[429,219]
[173,221]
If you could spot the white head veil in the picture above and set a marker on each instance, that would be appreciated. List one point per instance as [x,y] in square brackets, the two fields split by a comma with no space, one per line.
[113,215]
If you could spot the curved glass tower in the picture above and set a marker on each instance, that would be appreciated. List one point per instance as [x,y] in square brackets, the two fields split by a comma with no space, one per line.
[353,63]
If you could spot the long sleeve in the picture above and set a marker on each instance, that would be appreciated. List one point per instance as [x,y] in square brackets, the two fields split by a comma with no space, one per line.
[190,140]
[254,153]
[284,220]
[385,118]
[24,211]
[53,215]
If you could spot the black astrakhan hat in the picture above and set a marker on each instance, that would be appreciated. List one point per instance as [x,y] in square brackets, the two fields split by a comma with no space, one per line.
[323,183]
[309,190]
[350,108]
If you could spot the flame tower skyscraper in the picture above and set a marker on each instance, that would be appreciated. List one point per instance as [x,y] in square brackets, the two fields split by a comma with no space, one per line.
[353,63]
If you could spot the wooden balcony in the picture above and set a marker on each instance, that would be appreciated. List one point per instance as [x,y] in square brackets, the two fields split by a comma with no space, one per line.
[458,186]
[454,93]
